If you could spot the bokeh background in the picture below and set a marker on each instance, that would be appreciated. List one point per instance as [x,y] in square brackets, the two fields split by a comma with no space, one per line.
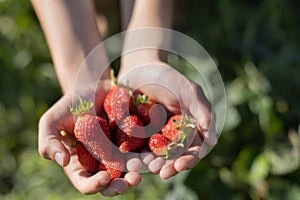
[256,46]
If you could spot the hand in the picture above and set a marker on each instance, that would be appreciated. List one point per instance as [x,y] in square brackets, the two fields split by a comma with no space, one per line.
[171,89]
[59,149]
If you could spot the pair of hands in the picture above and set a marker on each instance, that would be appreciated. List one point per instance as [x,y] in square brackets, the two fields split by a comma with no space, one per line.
[185,95]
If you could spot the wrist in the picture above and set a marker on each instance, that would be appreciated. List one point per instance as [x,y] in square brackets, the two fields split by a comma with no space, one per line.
[141,57]
[67,68]
[80,68]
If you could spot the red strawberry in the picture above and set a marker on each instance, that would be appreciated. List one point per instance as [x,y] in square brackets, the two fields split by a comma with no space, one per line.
[92,131]
[105,127]
[86,159]
[117,103]
[178,128]
[141,107]
[115,165]
[158,144]
[171,129]
[130,135]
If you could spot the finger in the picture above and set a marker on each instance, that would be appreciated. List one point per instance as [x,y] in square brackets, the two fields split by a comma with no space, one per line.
[147,157]
[68,140]
[210,138]
[134,163]
[168,170]
[191,157]
[186,162]
[116,187]
[133,178]
[209,134]
[50,145]
[156,165]
[201,110]
[83,181]
[86,183]
[92,184]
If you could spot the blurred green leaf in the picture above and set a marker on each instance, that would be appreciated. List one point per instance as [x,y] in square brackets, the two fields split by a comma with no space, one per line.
[279,189]
[233,118]
[259,170]
[284,157]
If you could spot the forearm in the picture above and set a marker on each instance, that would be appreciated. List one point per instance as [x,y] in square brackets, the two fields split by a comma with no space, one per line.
[71,33]
[153,13]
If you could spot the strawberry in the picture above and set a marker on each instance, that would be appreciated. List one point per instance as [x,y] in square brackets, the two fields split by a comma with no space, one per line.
[158,144]
[86,159]
[141,107]
[178,128]
[115,165]
[130,135]
[117,103]
[105,127]
[92,131]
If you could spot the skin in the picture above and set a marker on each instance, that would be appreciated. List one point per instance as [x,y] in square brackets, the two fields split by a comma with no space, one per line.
[192,101]
[198,107]
[71,32]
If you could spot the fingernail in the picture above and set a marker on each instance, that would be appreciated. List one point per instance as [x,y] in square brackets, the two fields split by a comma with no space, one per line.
[59,159]
[134,165]
[156,165]
[147,158]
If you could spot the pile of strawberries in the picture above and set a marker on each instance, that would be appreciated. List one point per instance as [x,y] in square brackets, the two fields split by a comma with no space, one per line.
[132,119]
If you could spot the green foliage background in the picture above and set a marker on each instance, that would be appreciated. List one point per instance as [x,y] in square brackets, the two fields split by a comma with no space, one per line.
[256,46]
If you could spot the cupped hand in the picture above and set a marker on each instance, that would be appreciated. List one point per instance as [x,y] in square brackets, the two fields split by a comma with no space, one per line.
[178,94]
[53,146]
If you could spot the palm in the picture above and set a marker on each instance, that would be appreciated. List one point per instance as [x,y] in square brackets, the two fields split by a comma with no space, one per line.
[59,118]
[177,94]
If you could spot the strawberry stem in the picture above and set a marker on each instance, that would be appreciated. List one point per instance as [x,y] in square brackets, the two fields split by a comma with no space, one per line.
[113,80]
[182,137]
[165,153]
[83,107]
[185,126]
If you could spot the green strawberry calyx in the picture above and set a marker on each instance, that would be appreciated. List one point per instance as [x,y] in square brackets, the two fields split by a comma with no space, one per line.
[142,99]
[82,108]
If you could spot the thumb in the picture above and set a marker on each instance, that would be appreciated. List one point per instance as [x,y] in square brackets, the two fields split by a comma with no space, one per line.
[50,143]
[200,109]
